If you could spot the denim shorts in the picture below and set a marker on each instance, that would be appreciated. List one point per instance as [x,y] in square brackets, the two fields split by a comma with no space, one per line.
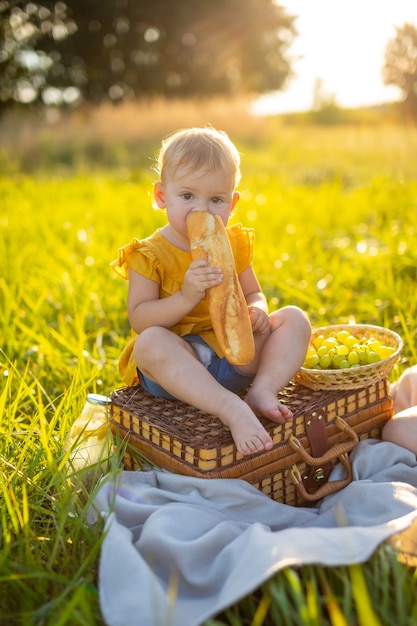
[224,372]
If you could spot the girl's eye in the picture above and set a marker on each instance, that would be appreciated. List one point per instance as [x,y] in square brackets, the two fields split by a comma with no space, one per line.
[187,196]
[216,200]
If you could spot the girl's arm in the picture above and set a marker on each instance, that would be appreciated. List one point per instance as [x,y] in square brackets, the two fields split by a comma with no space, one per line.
[257,304]
[145,308]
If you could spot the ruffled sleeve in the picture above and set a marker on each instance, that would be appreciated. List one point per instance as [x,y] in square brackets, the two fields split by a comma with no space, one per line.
[242,242]
[137,256]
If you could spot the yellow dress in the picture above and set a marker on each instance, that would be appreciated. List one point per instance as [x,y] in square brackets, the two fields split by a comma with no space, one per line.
[160,261]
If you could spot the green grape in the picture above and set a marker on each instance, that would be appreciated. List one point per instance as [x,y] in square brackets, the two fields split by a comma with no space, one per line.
[325,361]
[374,344]
[385,352]
[342,335]
[373,357]
[340,350]
[330,342]
[350,341]
[337,359]
[353,358]
[317,341]
[363,357]
[344,363]
[311,361]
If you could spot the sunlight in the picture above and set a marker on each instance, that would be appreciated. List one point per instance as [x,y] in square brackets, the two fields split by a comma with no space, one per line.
[343,44]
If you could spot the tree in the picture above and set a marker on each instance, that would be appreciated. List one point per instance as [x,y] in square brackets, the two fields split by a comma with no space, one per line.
[98,49]
[400,66]
[325,109]
[24,66]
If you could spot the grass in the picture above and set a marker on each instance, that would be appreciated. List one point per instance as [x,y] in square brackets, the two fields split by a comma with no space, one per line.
[335,216]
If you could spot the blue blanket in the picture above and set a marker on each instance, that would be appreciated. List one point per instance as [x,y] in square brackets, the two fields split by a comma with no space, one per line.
[177,550]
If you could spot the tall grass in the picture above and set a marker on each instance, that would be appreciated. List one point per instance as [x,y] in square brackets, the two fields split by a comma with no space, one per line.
[123,137]
[334,211]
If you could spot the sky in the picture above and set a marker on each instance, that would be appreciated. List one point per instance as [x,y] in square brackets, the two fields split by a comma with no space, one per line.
[342,43]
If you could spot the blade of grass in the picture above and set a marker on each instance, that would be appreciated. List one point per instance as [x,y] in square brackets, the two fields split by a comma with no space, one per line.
[333,607]
[366,614]
[261,610]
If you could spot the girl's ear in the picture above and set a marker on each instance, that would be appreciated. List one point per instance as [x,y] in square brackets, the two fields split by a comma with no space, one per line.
[159,195]
[235,200]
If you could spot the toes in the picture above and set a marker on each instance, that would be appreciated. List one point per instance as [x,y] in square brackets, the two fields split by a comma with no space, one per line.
[245,449]
[280,413]
[284,410]
[257,444]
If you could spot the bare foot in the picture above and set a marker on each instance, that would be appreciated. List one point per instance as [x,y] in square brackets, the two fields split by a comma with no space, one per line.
[264,402]
[247,431]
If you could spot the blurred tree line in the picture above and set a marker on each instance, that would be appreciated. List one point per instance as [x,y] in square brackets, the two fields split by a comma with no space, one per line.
[64,52]
[89,50]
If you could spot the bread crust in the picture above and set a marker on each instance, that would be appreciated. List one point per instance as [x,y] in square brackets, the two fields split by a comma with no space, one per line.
[227,305]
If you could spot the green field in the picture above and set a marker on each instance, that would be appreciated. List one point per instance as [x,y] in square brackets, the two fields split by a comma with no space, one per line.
[335,214]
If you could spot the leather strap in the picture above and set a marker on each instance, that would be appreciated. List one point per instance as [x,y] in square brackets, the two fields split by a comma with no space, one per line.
[316,476]
[340,451]
[327,488]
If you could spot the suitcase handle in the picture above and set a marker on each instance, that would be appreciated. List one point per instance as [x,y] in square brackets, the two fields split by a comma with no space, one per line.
[330,487]
[338,451]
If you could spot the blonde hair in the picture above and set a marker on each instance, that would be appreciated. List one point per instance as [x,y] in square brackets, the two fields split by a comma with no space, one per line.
[195,148]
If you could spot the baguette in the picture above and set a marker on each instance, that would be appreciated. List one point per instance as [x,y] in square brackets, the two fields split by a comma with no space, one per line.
[226,303]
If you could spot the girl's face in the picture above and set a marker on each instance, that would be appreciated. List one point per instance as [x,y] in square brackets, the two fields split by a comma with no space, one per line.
[188,191]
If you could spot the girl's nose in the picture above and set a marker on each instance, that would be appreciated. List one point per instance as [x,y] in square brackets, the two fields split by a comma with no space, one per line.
[201,206]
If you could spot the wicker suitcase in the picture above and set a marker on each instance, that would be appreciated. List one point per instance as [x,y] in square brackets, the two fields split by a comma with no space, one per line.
[327,425]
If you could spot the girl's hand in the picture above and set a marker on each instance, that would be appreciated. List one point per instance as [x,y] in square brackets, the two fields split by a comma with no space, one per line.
[199,277]
[259,320]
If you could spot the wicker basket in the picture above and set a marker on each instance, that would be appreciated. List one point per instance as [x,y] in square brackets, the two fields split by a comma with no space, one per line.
[353,377]
[180,438]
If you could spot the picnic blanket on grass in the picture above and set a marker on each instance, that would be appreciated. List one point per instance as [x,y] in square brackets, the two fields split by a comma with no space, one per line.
[178,550]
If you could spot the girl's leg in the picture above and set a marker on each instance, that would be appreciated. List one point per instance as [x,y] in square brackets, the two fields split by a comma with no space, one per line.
[170,361]
[402,428]
[404,390]
[280,357]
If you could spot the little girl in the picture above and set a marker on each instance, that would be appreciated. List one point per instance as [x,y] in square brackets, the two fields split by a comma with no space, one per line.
[175,352]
